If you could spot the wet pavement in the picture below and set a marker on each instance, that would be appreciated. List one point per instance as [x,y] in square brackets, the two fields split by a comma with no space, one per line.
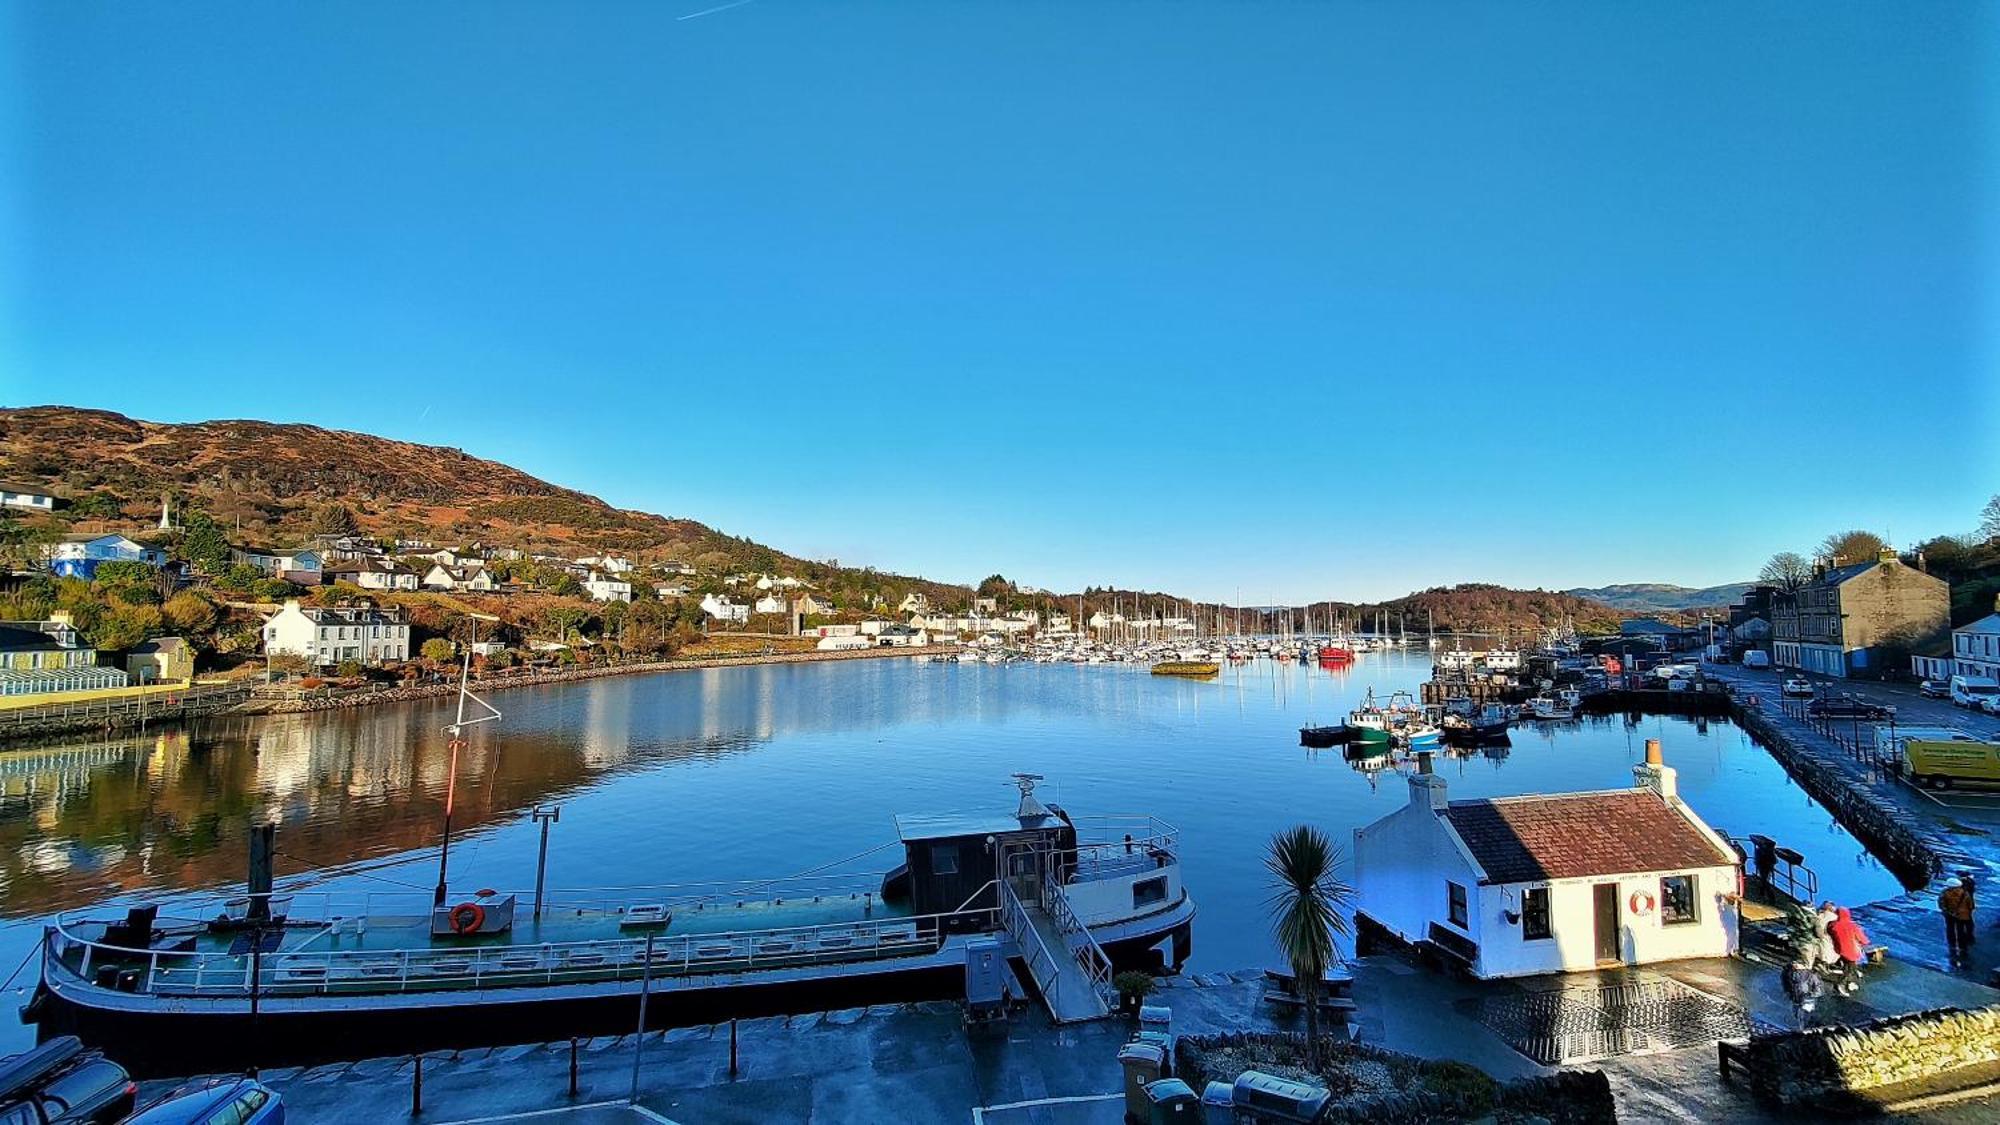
[918,1063]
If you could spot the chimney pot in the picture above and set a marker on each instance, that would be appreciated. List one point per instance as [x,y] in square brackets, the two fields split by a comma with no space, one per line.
[1653,755]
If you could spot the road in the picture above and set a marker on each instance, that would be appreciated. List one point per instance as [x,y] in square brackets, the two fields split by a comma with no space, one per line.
[1912,709]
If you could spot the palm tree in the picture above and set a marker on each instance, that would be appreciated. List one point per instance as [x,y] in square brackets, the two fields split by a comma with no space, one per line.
[1306,903]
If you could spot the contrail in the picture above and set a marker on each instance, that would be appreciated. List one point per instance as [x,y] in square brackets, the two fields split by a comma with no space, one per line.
[711,11]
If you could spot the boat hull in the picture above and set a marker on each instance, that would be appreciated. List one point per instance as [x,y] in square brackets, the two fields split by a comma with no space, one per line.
[163,1037]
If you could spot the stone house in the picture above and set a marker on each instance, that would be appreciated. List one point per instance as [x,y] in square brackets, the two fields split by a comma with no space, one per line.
[1850,620]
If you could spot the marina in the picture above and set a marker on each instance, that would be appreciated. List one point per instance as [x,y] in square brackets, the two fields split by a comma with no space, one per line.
[673,780]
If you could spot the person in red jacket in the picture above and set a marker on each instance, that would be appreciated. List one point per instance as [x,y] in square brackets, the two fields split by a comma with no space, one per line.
[1850,941]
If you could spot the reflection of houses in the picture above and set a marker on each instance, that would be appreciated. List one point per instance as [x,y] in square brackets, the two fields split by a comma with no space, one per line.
[50,656]
[1843,622]
[1566,882]
[302,566]
[327,635]
[79,556]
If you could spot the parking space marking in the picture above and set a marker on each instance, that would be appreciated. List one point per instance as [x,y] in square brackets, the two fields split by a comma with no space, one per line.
[559,1111]
[979,1112]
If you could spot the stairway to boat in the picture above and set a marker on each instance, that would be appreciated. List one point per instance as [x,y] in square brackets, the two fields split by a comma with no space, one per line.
[1070,970]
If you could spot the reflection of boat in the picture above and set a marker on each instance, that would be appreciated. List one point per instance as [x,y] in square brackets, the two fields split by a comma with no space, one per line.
[172,988]
[1319,738]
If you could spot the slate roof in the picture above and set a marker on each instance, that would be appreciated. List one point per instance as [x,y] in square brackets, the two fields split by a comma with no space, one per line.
[16,639]
[1579,835]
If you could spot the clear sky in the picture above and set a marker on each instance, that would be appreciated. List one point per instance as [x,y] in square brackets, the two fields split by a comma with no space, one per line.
[1277,301]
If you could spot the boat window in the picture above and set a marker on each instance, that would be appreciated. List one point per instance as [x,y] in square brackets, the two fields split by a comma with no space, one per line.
[944,859]
[1150,892]
[1456,894]
[1535,914]
[1677,900]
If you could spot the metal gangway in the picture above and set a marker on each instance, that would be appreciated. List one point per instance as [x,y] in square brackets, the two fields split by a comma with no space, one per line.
[1071,970]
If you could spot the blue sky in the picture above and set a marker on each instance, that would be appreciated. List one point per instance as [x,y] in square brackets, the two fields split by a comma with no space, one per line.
[1276,301]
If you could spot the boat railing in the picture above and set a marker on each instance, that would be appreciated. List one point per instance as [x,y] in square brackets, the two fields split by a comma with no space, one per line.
[330,906]
[1083,947]
[197,973]
[1112,842]
[1042,964]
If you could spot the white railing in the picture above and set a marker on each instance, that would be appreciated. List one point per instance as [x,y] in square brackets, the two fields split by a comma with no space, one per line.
[1083,947]
[304,972]
[1042,964]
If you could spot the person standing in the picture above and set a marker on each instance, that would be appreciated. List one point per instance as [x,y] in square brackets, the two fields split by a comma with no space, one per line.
[1802,988]
[1825,957]
[1850,941]
[1956,904]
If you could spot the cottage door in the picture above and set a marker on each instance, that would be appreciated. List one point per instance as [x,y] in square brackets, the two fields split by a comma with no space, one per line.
[1605,897]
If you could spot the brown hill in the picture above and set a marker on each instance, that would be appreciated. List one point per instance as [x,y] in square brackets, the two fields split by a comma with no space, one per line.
[268,481]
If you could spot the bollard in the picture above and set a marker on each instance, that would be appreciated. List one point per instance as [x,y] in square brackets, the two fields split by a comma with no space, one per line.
[572,1066]
[732,1048]
[417,1088]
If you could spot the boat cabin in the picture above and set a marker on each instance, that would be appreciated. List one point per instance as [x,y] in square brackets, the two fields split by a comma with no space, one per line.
[951,861]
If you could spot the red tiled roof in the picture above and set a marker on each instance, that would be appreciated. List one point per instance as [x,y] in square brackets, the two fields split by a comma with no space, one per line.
[1577,835]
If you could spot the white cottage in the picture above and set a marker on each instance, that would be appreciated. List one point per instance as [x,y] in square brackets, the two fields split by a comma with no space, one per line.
[1514,886]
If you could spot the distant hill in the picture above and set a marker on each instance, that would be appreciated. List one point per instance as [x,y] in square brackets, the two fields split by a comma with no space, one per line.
[1477,607]
[1660,597]
[269,482]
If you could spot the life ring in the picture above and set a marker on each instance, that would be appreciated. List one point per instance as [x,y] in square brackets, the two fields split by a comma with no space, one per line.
[467,917]
[1641,903]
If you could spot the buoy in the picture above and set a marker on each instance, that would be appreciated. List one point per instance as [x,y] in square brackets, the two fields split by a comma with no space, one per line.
[1641,903]
[467,917]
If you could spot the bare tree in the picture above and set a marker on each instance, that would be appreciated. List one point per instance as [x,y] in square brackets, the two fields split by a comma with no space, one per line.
[1989,519]
[1787,570]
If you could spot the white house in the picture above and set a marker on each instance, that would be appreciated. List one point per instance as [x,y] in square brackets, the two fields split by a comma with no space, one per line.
[673,567]
[374,574]
[667,590]
[724,610]
[770,603]
[474,578]
[1513,886]
[1975,648]
[327,635]
[79,556]
[915,603]
[304,567]
[611,564]
[604,588]
[31,497]
[812,605]
[1058,625]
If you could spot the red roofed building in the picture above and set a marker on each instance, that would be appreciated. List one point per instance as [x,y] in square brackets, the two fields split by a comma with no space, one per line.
[1514,886]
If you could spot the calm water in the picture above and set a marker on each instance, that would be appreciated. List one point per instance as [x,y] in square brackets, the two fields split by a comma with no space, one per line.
[753,772]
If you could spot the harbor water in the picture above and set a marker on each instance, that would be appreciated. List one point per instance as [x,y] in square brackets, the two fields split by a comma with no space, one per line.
[751,772]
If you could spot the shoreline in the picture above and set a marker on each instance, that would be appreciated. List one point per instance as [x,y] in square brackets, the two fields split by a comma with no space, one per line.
[256,706]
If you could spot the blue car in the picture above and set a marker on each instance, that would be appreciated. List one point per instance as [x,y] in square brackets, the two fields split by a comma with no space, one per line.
[219,1101]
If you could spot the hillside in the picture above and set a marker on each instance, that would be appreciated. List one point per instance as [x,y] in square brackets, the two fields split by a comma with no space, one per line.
[269,482]
[1476,607]
[1659,597]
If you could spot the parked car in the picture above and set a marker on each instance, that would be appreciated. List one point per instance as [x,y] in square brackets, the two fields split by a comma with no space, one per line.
[1756,658]
[215,1101]
[1848,707]
[60,1083]
[1934,689]
[1990,704]
[1798,685]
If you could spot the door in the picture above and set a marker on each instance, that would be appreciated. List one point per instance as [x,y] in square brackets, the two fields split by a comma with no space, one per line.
[1606,902]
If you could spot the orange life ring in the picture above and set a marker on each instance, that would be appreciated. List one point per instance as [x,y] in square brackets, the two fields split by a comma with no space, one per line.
[467,917]
[1641,903]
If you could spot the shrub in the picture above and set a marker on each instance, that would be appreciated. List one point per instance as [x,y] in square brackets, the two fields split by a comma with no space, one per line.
[350,670]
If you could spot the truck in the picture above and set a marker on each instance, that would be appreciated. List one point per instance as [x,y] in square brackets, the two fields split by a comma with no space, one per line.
[1946,763]
[1973,691]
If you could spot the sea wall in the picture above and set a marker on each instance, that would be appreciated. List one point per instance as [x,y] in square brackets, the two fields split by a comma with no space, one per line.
[1834,1069]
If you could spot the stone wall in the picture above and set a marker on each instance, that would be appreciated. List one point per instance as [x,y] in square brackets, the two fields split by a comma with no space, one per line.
[1832,1068]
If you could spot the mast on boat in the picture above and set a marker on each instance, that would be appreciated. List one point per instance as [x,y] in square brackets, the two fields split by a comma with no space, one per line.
[454,732]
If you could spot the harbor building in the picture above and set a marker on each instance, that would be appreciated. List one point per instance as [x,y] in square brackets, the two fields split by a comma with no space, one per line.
[1566,882]
[1846,621]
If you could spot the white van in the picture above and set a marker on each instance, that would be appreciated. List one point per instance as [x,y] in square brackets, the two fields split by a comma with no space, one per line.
[1972,691]
[1756,658]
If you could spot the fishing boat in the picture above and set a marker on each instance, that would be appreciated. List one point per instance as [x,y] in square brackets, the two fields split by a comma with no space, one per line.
[1473,727]
[198,984]
[1319,738]
[1550,707]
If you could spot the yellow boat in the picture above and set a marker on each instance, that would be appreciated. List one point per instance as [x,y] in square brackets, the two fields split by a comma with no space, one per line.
[1187,668]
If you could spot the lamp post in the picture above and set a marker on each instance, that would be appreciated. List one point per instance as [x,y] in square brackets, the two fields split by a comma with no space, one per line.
[543,815]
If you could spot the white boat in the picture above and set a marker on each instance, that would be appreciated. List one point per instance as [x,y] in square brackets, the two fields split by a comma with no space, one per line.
[1550,707]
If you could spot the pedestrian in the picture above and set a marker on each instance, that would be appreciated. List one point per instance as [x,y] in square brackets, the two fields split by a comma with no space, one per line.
[1825,957]
[1802,988]
[1765,861]
[1850,941]
[1956,903]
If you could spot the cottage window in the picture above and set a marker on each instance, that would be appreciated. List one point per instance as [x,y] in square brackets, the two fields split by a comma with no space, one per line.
[944,859]
[1535,921]
[1677,900]
[1455,896]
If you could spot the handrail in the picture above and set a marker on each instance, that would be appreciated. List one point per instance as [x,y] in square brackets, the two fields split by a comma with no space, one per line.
[1014,916]
[1089,955]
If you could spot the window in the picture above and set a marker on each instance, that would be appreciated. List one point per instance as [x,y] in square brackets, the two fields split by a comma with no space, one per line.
[1456,896]
[1677,900]
[1535,922]
[1149,892]
[944,859]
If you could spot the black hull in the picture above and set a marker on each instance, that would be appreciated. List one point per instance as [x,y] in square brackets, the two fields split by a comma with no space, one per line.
[159,1043]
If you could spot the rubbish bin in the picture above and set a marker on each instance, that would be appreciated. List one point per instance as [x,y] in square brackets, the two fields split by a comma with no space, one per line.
[1142,1063]
[1170,1102]
[1218,1104]
[1155,1026]
[1266,1098]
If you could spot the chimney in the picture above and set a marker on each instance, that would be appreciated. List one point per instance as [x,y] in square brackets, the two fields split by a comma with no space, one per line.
[1426,788]
[1656,774]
